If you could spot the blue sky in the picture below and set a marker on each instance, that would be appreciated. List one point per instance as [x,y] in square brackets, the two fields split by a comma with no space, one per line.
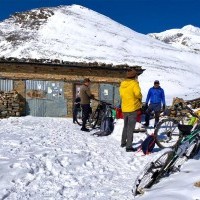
[143,16]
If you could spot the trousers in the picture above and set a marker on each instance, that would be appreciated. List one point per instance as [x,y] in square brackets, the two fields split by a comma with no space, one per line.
[130,119]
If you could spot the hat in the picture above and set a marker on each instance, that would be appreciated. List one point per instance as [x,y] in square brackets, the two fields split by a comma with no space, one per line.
[86,80]
[156,82]
[131,73]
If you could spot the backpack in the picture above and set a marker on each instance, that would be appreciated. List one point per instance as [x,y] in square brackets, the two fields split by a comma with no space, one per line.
[148,144]
[107,124]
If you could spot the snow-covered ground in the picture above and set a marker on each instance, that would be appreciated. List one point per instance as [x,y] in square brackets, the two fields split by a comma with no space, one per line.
[50,158]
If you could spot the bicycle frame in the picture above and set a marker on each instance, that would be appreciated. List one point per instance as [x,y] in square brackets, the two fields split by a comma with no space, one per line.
[96,117]
[166,131]
[170,159]
[180,151]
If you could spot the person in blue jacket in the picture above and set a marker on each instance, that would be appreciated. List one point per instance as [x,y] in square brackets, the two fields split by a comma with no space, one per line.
[156,96]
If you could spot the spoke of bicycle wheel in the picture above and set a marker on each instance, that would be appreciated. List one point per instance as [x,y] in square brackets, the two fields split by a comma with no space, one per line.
[147,178]
[153,171]
[179,162]
[172,130]
[170,127]
[144,181]
[158,164]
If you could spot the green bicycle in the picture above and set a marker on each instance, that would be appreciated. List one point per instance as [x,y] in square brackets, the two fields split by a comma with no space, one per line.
[170,160]
[167,132]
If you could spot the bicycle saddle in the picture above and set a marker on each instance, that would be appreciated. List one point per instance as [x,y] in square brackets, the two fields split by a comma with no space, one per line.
[185,129]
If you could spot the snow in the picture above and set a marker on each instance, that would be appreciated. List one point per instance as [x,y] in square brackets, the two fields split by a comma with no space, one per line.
[186,38]
[50,158]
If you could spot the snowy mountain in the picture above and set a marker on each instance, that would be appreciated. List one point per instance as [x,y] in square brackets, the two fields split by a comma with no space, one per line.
[50,158]
[187,37]
[75,33]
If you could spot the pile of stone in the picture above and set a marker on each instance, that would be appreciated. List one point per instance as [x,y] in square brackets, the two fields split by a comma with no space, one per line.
[11,104]
[176,110]
[195,103]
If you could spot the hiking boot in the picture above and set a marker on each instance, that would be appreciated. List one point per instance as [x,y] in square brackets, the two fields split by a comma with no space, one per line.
[123,145]
[85,129]
[131,149]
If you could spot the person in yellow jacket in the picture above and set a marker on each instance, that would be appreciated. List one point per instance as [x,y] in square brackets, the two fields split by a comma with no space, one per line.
[131,102]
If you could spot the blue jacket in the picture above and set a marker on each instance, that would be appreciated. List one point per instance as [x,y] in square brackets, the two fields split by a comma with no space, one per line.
[156,95]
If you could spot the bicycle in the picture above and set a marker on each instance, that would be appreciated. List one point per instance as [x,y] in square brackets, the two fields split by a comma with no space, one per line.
[95,116]
[166,132]
[170,160]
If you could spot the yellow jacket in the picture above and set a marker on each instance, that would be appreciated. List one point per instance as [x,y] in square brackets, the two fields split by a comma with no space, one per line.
[131,97]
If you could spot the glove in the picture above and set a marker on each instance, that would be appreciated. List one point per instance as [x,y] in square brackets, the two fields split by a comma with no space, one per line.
[163,107]
[92,96]
[146,107]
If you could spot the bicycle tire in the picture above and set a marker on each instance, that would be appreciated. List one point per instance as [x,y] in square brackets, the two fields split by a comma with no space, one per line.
[193,150]
[167,133]
[78,117]
[94,119]
[152,171]
[190,152]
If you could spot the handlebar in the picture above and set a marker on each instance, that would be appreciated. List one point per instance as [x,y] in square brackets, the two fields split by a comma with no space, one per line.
[192,112]
[103,102]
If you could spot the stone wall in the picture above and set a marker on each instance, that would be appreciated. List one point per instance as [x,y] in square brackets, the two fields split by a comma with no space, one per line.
[11,104]
[70,75]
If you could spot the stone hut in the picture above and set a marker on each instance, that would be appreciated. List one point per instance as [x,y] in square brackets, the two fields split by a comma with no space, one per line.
[49,87]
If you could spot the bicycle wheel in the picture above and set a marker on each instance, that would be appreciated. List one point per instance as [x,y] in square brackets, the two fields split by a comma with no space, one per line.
[152,171]
[193,149]
[190,151]
[94,119]
[78,117]
[167,133]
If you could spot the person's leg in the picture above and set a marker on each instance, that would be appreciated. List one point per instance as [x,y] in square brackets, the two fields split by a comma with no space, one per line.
[157,110]
[157,114]
[130,129]
[74,115]
[88,111]
[147,115]
[124,132]
[85,113]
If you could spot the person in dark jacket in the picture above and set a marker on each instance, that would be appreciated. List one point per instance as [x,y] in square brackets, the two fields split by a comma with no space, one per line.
[77,106]
[156,96]
[86,96]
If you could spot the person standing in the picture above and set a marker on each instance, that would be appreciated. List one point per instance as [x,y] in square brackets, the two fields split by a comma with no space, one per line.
[131,102]
[85,95]
[156,96]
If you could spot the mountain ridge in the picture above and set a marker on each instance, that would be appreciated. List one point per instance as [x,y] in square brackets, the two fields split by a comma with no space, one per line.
[30,25]
[78,34]
[187,37]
